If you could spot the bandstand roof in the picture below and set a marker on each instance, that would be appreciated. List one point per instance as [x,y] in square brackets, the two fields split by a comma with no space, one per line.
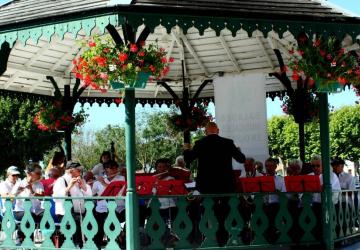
[213,37]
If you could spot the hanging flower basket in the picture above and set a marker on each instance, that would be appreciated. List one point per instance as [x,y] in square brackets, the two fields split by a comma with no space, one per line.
[310,110]
[52,118]
[198,118]
[104,65]
[327,64]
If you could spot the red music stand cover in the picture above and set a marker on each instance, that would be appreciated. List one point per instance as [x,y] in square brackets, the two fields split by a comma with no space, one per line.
[171,187]
[258,184]
[180,173]
[114,188]
[303,183]
[250,184]
[312,183]
[144,184]
[267,183]
[294,183]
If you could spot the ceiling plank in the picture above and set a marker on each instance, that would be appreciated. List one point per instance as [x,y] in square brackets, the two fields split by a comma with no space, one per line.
[193,52]
[33,71]
[72,51]
[230,54]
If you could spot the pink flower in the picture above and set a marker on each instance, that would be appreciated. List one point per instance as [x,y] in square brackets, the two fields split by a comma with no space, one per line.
[301,52]
[123,57]
[292,51]
[328,56]
[133,48]
[333,64]
[104,76]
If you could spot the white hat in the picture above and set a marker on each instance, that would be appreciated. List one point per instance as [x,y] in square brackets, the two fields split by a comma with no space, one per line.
[13,170]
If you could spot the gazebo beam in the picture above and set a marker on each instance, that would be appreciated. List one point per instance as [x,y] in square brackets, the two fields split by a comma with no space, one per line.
[262,46]
[192,52]
[11,79]
[229,53]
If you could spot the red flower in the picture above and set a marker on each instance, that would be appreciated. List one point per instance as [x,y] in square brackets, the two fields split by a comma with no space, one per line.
[342,80]
[101,61]
[171,59]
[123,57]
[152,68]
[133,48]
[311,82]
[141,53]
[292,51]
[302,39]
[117,100]
[301,52]
[328,56]
[163,60]
[295,76]
[92,44]
[322,53]
[166,71]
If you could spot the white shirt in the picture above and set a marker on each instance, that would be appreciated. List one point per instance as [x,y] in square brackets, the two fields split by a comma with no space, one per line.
[6,187]
[98,170]
[98,189]
[166,202]
[335,187]
[347,181]
[37,187]
[59,190]
[279,187]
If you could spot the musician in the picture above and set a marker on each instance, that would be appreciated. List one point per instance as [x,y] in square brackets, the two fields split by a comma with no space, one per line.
[272,200]
[215,174]
[111,174]
[250,168]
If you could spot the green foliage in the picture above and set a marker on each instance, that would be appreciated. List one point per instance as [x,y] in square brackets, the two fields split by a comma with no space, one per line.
[20,138]
[344,135]
[154,140]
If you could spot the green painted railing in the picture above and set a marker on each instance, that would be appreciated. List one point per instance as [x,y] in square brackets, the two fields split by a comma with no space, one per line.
[236,221]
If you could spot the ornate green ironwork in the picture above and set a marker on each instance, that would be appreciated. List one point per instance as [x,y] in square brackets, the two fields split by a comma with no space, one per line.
[182,225]
[259,221]
[27,225]
[8,225]
[208,223]
[112,221]
[47,226]
[155,226]
[68,226]
[234,223]
[283,220]
[47,31]
[307,219]
[89,221]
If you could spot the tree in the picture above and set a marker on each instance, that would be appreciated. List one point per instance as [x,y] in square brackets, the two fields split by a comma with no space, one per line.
[20,138]
[283,138]
[345,133]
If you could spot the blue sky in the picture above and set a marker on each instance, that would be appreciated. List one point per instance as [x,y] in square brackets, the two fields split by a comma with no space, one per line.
[99,117]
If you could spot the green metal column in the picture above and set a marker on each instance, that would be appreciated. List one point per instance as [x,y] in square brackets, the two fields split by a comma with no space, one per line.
[132,204]
[326,197]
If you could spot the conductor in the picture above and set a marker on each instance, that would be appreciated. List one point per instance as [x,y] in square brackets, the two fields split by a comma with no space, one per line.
[214,153]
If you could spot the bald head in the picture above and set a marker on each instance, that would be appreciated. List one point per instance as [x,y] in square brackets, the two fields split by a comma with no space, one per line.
[211,128]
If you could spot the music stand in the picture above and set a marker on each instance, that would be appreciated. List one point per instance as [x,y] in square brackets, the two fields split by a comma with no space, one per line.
[144,184]
[114,188]
[180,173]
[257,184]
[303,183]
[171,187]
